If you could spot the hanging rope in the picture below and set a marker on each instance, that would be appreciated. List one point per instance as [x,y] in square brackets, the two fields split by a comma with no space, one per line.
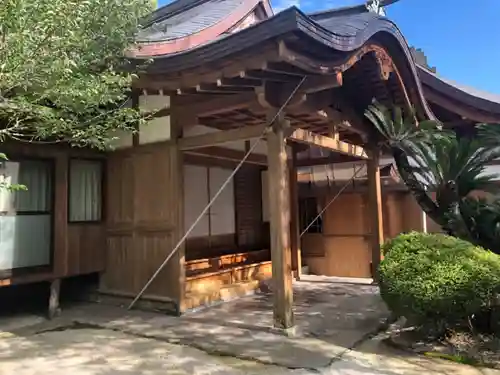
[331,201]
[207,207]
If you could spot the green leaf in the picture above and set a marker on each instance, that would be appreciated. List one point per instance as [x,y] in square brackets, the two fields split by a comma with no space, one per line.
[61,76]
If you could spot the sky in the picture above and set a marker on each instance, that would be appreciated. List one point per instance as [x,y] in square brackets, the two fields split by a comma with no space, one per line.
[461,38]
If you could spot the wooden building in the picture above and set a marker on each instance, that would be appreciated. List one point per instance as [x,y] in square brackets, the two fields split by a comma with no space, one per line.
[344,223]
[234,86]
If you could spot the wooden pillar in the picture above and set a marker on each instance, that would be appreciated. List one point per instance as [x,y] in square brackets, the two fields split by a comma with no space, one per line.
[54,309]
[280,226]
[375,208]
[294,215]
[60,257]
[177,122]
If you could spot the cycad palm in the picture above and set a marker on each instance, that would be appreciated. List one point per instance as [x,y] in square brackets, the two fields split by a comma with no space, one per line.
[432,160]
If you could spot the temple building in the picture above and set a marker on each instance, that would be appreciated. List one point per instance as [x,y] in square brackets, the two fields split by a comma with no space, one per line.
[207,198]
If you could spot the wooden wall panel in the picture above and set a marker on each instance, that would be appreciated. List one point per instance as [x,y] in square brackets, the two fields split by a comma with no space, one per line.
[313,245]
[248,201]
[413,214]
[393,211]
[144,221]
[344,257]
[120,189]
[152,196]
[347,215]
[86,248]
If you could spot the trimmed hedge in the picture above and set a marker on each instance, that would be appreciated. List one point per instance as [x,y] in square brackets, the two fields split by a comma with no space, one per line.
[437,280]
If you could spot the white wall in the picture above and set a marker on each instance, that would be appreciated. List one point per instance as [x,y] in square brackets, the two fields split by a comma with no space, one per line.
[158,129]
[223,212]
[200,186]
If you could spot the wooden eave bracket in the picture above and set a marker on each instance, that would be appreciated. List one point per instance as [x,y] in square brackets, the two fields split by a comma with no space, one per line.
[331,144]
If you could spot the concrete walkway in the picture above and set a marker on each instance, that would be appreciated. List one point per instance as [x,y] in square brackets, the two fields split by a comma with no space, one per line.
[334,320]
[94,351]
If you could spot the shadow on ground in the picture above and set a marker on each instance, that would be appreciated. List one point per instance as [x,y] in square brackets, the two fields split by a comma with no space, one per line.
[230,338]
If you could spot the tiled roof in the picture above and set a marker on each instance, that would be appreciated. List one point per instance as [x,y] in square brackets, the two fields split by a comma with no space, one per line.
[344,30]
[188,22]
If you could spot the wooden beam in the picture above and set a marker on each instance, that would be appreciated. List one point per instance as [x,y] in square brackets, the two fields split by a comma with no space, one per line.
[228,154]
[216,138]
[313,102]
[375,208]
[313,94]
[316,83]
[275,95]
[313,139]
[332,159]
[283,68]
[294,214]
[238,81]
[226,103]
[355,122]
[269,76]
[280,226]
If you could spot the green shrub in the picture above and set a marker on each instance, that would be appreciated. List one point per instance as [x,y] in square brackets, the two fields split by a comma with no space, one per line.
[438,281]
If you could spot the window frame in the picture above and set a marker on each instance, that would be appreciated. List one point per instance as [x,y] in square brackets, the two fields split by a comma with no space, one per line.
[317,227]
[102,213]
[30,270]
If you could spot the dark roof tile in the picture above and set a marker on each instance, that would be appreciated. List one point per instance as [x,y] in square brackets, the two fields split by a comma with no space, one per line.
[189,22]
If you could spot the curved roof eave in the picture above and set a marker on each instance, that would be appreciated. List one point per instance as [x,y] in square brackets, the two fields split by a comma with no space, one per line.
[342,33]
[467,95]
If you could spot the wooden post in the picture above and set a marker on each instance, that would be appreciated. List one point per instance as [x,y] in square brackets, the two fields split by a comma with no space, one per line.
[177,123]
[280,226]
[294,216]
[61,256]
[54,309]
[375,208]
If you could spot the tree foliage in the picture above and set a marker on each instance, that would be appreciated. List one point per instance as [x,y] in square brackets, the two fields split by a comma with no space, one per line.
[442,169]
[64,75]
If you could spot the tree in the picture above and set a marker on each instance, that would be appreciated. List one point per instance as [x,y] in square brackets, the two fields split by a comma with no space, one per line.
[64,75]
[431,160]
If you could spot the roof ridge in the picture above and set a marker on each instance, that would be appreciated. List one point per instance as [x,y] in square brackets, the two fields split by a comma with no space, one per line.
[353,9]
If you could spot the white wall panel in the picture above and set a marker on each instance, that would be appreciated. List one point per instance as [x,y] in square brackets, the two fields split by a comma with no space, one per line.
[223,210]
[154,102]
[195,199]
[122,139]
[156,130]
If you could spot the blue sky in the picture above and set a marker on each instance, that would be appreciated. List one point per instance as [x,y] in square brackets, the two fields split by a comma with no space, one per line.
[460,39]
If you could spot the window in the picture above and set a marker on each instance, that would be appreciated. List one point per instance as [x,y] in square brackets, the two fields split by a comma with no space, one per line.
[85,190]
[26,215]
[308,210]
